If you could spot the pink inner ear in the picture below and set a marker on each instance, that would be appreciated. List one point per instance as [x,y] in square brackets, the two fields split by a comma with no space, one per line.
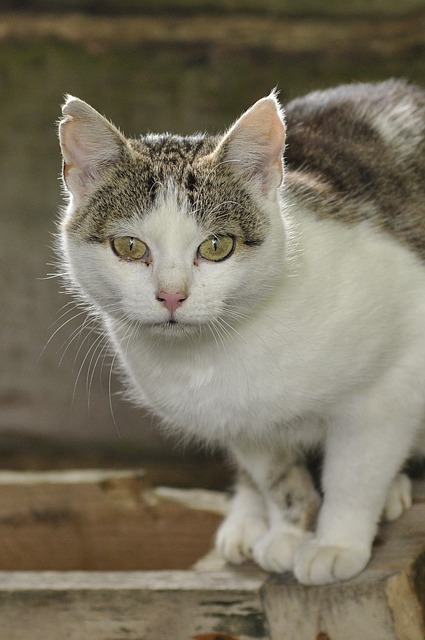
[266,122]
[75,158]
[76,155]
[83,147]
[87,147]
[256,142]
[73,149]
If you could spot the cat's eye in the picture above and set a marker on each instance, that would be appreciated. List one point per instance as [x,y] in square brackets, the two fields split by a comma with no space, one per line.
[129,248]
[217,248]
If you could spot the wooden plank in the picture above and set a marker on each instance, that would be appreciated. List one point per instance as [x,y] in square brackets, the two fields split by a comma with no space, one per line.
[36,452]
[118,513]
[131,606]
[89,520]
[377,605]
[286,35]
[386,602]
[306,8]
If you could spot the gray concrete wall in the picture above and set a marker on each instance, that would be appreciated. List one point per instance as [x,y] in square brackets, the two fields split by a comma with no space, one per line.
[148,66]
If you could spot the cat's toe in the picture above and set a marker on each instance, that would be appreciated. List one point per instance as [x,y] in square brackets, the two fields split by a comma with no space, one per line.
[317,564]
[237,537]
[399,497]
[276,549]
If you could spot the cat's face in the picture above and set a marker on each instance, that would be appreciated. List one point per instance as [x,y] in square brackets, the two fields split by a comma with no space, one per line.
[172,233]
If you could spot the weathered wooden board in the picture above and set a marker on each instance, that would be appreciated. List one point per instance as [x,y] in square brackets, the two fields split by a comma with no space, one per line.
[286,34]
[378,605]
[115,521]
[130,606]
[97,520]
[386,602]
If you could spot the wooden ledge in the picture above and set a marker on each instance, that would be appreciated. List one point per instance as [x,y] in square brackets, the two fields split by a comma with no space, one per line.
[288,35]
[79,521]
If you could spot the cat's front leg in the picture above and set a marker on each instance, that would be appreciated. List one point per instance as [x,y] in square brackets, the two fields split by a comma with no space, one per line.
[245,524]
[366,445]
[293,503]
[275,506]
[399,497]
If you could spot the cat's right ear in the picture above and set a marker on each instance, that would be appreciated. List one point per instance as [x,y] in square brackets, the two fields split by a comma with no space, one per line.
[89,144]
[254,146]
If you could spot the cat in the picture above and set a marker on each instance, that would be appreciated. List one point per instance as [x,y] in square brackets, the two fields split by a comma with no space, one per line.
[269,306]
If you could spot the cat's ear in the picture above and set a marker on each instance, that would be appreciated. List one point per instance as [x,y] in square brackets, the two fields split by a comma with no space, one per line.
[255,145]
[89,144]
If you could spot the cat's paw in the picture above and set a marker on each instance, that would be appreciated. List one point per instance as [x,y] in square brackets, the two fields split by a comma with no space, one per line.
[237,537]
[275,551]
[317,563]
[399,497]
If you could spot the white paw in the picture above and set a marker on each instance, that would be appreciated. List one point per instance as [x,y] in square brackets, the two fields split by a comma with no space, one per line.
[276,549]
[399,497]
[237,536]
[316,563]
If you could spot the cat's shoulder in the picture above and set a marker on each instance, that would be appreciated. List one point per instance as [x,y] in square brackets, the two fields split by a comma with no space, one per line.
[354,121]
[357,152]
[385,106]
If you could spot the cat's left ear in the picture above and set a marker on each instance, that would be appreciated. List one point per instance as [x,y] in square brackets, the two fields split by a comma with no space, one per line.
[89,144]
[254,145]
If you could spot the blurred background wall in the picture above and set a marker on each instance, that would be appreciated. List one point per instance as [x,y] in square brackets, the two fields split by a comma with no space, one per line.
[149,65]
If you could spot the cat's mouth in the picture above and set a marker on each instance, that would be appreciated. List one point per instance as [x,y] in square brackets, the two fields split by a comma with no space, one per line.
[173,328]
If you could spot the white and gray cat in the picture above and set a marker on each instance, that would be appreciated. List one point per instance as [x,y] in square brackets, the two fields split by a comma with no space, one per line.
[266,310]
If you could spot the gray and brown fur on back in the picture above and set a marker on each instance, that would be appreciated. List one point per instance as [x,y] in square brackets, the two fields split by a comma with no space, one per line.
[357,153]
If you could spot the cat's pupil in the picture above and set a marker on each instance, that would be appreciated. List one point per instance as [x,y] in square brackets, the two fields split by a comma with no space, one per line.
[215,243]
[131,242]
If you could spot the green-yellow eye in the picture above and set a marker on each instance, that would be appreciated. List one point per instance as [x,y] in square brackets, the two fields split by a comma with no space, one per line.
[129,248]
[217,248]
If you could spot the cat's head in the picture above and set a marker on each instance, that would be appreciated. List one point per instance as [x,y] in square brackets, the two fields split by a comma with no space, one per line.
[173,232]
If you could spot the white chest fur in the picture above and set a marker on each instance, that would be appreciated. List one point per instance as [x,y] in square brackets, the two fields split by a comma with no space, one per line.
[354,307]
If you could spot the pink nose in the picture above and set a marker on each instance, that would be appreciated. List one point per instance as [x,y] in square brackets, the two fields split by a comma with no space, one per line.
[171,300]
